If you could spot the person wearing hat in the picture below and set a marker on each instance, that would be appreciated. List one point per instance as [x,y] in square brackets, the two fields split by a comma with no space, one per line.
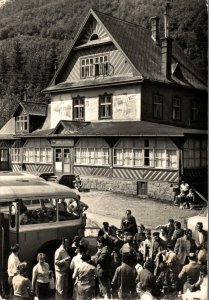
[184,245]
[189,274]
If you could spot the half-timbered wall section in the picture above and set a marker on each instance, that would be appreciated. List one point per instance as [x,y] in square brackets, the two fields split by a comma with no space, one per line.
[92,156]
[146,158]
[83,64]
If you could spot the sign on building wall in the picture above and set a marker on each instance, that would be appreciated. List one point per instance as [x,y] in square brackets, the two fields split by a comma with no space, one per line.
[62,142]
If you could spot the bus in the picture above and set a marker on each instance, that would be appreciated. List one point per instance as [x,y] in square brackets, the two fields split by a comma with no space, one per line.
[36,214]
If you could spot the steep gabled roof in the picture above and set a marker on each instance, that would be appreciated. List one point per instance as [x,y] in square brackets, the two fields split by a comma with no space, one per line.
[136,42]
[142,52]
[32,108]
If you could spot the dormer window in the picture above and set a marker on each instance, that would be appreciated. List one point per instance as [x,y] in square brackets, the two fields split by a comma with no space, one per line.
[94,66]
[22,123]
[94,37]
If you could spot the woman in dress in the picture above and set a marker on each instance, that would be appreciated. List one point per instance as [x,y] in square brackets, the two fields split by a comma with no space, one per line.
[40,278]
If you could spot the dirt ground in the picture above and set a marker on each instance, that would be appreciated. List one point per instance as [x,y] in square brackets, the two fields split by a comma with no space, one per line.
[110,207]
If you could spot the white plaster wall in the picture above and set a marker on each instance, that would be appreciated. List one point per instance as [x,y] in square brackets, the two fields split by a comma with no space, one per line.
[126,104]
[61,108]
[91,108]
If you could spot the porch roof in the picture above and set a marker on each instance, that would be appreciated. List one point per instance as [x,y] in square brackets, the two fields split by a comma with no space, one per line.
[128,128]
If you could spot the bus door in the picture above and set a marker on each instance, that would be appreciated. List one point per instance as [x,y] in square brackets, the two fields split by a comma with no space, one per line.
[4,159]
[62,160]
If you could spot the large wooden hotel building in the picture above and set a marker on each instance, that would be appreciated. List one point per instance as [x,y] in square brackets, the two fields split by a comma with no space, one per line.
[127,112]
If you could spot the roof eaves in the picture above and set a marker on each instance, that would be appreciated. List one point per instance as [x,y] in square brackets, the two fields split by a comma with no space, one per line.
[57,88]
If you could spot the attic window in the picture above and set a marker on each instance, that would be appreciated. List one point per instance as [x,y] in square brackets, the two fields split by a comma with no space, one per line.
[94,37]
[94,66]
[22,123]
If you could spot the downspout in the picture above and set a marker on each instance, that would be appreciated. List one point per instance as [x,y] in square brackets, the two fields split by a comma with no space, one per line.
[18,221]
[181,159]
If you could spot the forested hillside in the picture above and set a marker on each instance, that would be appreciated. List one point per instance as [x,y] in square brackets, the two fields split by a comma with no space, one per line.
[35,34]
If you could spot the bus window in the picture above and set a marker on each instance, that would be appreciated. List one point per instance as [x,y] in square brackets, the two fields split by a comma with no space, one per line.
[27,202]
[13,210]
[68,209]
[40,211]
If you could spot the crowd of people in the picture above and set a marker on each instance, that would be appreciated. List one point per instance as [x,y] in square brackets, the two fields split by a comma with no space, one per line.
[131,262]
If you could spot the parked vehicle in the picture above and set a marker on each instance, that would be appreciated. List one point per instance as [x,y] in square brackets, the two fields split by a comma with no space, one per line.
[36,214]
[77,183]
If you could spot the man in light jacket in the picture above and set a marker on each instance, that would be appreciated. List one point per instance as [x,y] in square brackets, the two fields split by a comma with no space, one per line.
[184,245]
[62,265]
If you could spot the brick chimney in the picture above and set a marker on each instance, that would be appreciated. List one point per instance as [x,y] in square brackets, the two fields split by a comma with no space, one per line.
[155,28]
[166,45]
[166,56]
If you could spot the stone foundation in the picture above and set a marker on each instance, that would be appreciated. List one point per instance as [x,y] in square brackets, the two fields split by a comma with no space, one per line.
[156,189]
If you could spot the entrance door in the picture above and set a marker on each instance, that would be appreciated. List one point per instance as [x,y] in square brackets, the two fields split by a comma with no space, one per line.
[4,159]
[62,160]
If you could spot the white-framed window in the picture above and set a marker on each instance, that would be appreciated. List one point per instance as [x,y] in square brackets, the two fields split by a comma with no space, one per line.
[138,157]
[16,155]
[171,158]
[92,156]
[105,106]
[94,66]
[195,153]
[146,156]
[79,108]
[37,155]
[21,123]
[160,161]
